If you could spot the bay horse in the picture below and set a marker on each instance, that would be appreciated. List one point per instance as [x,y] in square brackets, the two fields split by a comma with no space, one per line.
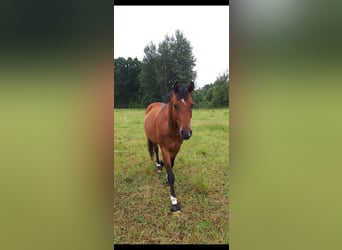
[167,125]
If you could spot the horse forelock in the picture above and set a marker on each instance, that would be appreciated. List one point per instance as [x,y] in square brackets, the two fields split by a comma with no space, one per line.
[182,93]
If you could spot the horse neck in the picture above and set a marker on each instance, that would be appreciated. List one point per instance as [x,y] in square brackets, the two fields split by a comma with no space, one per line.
[171,121]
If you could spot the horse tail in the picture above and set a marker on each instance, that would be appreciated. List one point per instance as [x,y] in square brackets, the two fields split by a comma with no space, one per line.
[150,147]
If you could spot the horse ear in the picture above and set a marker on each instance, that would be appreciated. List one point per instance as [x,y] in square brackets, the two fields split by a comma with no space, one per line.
[175,87]
[191,87]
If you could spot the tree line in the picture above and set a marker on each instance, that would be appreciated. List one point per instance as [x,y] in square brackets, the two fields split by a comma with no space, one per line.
[139,83]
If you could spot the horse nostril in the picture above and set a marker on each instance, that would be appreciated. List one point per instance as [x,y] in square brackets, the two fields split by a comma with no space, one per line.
[182,132]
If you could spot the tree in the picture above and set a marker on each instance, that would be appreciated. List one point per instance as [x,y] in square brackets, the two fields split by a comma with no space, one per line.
[149,87]
[221,92]
[213,95]
[172,61]
[183,61]
[126,82]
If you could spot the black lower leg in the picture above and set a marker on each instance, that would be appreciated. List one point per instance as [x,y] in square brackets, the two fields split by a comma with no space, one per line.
[172,162]
[167,179]
[158,163]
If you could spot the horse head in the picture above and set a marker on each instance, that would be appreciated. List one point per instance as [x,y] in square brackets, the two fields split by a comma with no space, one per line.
[181,104]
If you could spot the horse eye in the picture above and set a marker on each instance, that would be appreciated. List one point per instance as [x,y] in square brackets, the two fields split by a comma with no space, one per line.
[175,105]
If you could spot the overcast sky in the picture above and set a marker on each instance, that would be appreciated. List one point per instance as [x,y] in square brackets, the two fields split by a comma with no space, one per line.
[205,27]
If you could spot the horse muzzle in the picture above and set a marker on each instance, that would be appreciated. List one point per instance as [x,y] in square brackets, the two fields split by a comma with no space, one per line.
[185,133]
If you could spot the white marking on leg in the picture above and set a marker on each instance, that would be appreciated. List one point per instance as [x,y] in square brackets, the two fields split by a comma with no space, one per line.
[167,178]
[158,165]
[173,200]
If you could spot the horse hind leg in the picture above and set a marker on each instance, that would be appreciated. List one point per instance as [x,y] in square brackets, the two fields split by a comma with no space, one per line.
[159,164]
[150,148]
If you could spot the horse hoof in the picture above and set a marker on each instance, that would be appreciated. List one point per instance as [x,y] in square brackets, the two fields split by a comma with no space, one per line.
[175,209]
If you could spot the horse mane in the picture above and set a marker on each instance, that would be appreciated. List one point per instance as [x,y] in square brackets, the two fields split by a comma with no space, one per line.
[182,93]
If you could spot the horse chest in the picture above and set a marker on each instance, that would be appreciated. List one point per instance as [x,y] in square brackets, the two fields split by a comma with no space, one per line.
[173,145]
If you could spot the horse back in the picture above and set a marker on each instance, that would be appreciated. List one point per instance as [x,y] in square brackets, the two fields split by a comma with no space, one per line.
[153,107]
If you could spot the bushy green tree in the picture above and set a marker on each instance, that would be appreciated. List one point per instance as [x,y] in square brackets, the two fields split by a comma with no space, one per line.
[149,86]
[221,92]
[214,95]
[126,82]
[172,61]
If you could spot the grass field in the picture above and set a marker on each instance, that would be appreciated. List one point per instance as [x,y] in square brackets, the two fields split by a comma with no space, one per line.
[141,199]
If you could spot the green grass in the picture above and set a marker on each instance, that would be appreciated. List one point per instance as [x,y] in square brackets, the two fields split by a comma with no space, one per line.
[141,199]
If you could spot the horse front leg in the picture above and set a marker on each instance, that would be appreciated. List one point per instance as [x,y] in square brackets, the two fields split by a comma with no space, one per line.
[175,208]
[172,163]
